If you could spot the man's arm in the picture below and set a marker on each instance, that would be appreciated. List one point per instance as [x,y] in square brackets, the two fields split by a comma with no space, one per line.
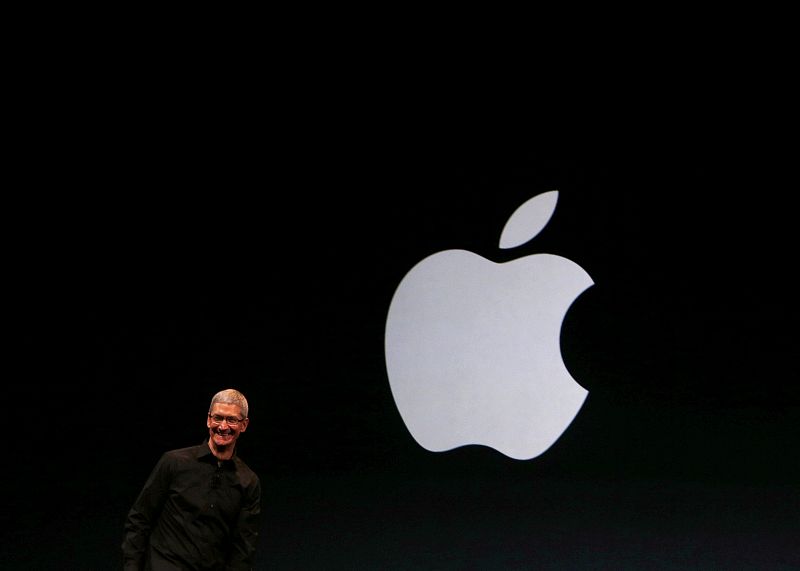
[143,515]
[245,536]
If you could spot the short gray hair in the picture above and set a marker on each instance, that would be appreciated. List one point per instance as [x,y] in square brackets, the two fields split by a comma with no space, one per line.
[230,396]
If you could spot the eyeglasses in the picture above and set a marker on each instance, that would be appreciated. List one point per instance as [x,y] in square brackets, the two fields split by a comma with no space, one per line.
[219,419]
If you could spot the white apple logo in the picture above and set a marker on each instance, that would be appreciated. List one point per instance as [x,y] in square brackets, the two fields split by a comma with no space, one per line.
[472,346]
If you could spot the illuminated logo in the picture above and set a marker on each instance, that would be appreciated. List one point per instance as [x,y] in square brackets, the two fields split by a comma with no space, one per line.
[472,346]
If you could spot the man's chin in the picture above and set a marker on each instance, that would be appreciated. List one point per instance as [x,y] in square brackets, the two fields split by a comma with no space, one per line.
[223,440]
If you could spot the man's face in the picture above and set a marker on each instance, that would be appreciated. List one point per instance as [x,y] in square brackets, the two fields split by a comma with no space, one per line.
[220,429]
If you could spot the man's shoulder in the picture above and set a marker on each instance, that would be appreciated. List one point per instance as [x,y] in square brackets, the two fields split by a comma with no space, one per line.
[183,454]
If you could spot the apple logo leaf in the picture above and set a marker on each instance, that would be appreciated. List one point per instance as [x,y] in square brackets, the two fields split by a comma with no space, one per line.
[528,220]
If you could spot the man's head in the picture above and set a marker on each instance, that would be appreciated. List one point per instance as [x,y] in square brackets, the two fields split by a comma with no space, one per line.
[227,418]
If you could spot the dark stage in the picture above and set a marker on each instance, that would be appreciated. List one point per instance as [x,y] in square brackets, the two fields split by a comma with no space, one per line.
[271,270]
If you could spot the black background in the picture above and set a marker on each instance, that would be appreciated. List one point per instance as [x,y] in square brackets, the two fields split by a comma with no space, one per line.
[165,268]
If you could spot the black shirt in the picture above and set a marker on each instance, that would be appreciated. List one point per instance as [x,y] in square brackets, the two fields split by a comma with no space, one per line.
[194,513]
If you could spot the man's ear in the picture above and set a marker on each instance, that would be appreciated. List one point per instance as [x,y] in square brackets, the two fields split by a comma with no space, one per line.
[245,422]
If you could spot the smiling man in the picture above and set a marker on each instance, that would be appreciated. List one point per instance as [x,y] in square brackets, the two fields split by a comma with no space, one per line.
[200,508]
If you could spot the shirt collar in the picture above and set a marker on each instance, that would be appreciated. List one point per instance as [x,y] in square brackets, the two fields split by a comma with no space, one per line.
[203,452]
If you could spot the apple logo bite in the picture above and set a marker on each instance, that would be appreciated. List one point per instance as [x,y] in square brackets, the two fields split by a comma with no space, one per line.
[472,346]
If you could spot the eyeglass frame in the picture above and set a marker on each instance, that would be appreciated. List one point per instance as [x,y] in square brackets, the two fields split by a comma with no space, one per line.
[229,419]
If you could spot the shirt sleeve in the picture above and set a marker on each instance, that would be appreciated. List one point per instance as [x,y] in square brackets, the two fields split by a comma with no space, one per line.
[245,536]
[143,515]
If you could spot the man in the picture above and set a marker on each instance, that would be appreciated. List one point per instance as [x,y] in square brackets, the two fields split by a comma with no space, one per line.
[200,508]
